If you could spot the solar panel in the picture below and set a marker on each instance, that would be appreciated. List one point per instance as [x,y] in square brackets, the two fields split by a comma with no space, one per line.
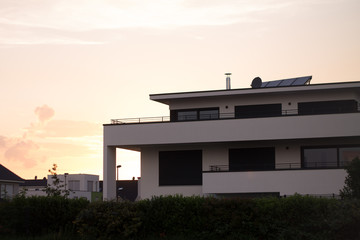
[264,84]
[300,81]
[287,82]
[273,83]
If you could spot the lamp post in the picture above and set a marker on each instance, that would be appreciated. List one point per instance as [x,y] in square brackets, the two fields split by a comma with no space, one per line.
[65,175]
[117,172]
[117,178]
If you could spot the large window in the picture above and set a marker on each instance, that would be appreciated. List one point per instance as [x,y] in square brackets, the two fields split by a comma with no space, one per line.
[327,107]
[74,185]
[180,167]
[328,157]
[6,191]
[255,111]
[90,186]
[251,159]
[194,114]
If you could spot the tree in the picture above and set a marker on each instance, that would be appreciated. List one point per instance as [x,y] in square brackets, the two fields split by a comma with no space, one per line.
[56,188]
[352,181]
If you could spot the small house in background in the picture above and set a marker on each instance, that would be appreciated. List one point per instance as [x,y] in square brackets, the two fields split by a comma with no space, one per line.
[80,185]
[9,183]
[34,187]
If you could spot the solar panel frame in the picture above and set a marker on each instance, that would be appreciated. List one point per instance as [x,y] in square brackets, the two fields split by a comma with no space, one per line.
[300,81]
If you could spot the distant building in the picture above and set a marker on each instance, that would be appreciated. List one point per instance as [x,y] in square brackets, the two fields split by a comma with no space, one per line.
[9,183]
[80,185]
[277,138]
[34,187]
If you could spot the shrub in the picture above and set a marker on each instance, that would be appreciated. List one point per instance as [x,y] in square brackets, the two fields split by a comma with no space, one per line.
[38,215]
[108,220]
[352,180]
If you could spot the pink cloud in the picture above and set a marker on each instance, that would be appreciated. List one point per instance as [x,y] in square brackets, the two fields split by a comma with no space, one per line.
[44,113]
[22,151]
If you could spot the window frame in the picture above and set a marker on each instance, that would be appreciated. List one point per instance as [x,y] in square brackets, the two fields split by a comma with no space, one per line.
[339,164]
[174,114]
[328,107]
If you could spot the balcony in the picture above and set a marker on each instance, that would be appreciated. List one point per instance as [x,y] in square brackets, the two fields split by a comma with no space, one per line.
[254,112]
[227,128]
[286,182]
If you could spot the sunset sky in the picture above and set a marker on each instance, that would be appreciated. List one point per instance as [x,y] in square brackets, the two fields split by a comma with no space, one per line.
[69,66]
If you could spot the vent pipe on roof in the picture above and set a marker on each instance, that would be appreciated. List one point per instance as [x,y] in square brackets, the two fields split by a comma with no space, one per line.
[228,86]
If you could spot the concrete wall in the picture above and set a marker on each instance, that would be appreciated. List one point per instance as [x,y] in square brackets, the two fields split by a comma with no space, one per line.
[257,129]
[287,182]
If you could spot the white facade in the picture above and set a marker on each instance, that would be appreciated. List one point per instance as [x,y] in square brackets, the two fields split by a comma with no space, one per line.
[80,185]
[293,136]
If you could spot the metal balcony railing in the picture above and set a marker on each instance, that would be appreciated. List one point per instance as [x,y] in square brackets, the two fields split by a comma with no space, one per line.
[223,116]
[277,166]
[140,120]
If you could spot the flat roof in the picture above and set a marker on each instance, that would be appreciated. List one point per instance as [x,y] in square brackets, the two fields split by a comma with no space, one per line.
[166,97]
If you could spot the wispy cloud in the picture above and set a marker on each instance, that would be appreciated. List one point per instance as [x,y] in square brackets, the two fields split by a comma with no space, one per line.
[55,22]
[51,139]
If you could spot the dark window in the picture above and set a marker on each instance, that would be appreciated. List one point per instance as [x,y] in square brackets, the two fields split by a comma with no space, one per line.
[347,154]
[187,115]
[248,159]
[180,167]
[327,107]
[194,114]
[255,111]
[328,157]
[320,158]
[209,114]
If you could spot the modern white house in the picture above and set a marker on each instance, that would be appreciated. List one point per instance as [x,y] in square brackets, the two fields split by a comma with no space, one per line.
[80,185]
[276,138]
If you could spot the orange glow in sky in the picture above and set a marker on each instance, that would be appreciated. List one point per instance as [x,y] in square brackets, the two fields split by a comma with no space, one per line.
[67,67]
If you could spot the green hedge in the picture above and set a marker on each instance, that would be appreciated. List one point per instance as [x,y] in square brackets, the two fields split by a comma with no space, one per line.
[34,216]
[177,217]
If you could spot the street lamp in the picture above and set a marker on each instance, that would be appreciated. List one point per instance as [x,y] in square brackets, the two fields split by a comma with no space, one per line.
[65,175]
[117,171]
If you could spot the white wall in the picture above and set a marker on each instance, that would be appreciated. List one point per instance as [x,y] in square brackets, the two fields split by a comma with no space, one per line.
[83,179]
[287,182]
[257,129]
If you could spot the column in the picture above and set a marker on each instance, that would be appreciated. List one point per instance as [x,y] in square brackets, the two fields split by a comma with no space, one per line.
[109,183]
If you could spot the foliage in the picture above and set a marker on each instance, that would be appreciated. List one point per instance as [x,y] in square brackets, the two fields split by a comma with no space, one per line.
[56,188]
[352,181]
[109,220]
[38,215]
[177,217]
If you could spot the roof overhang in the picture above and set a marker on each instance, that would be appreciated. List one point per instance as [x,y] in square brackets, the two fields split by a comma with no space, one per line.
[167,97]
